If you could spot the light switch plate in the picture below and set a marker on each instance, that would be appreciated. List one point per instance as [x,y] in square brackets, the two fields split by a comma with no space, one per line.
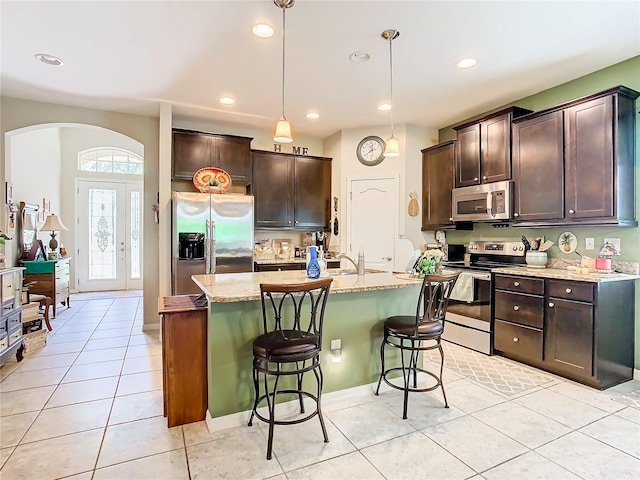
[589,243]
[613,241]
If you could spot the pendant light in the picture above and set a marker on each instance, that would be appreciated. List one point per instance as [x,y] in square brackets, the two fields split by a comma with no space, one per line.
[283,127]
[392,149]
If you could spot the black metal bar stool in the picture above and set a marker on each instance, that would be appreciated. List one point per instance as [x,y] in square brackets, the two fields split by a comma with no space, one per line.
[419,333]
[292,317]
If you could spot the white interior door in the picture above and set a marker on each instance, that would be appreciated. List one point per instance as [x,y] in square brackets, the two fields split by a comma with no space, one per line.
[372,210]
[108,236]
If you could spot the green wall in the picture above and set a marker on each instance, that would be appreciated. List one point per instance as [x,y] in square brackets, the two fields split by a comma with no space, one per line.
[626,73]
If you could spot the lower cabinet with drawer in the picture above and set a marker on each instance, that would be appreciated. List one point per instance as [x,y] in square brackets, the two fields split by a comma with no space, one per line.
[578,329]
[51,279]
[279,267]
[11,314]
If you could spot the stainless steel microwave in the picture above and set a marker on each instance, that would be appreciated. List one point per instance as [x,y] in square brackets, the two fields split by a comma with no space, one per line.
[483,203]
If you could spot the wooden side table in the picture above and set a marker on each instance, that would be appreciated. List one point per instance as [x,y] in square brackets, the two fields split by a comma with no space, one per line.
[52,279]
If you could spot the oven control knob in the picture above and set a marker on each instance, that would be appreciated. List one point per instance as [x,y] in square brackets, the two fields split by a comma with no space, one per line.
[516,284]
[568,290]
[516,307]
[515,339]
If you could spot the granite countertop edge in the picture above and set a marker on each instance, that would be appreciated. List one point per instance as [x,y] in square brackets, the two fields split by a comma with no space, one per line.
[563,274]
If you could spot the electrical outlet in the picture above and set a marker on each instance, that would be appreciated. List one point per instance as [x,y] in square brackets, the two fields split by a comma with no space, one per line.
[615,242]
[589,243]
[336,344]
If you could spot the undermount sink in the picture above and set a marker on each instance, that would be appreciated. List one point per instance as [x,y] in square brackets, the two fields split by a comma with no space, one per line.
[333,272]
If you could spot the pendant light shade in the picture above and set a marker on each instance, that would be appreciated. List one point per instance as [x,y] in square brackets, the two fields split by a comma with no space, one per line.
[283,127]
[392,148]
[283,131]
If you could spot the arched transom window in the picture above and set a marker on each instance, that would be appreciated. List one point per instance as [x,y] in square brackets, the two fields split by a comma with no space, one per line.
[110,160]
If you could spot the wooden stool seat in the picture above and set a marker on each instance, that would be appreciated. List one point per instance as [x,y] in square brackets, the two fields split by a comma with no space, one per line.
[44,302]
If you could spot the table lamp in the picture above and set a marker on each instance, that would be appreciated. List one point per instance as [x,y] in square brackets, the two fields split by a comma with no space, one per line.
[53,224]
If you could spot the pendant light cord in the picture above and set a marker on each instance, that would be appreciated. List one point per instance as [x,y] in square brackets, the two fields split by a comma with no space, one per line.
[391,75]
[283,57]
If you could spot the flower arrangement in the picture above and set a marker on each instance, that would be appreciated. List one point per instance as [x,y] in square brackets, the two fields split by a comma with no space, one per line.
[428,262]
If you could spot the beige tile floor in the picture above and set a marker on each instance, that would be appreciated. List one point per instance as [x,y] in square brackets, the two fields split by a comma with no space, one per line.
[89,406]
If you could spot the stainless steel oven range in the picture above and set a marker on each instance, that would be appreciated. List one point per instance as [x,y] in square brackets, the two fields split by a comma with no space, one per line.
[469,312]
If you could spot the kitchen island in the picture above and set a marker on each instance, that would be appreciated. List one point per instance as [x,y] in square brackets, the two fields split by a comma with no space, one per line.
[354,313]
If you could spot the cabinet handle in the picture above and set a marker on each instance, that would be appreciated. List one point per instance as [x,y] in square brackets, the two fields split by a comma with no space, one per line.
[568,290]
[388,259]
[516,284]
[572,211]
[484,177]
[516,308]
[451,219]
[551,304]
[516,214]
[289,221]
[475,179]
[296,222]
[515,339]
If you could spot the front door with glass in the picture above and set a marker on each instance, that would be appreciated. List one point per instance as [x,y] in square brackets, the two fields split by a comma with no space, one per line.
[108,236]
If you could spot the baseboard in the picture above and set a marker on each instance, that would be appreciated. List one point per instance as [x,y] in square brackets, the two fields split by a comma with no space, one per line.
[150,327]
[636,374]
[330,401]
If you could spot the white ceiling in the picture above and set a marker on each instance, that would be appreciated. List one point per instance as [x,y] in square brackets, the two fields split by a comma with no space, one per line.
[129,56]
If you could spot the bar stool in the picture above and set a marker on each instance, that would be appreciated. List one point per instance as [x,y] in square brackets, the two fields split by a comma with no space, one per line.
[292,319]
[414,334]
[45,302]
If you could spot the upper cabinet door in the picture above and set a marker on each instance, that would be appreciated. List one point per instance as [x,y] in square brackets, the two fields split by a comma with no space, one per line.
[273,189]
[495,152]
[312,192]
[589,159]
[233,155]
[191,152]
[538,168]
[468,156]
[437,183]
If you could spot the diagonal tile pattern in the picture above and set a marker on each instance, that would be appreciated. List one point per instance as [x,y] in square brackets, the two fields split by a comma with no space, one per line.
[89,406]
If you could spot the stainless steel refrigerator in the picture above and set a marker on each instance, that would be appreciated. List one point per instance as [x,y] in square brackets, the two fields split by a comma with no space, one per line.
[211,234]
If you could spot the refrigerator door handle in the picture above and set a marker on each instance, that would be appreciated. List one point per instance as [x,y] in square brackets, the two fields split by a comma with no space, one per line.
[210,246]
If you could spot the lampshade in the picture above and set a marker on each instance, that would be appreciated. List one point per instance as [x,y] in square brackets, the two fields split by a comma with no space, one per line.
[283,131]
[53,224]
[392,148]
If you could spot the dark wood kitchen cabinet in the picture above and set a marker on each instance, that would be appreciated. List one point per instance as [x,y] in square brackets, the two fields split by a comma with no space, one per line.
[291,192]
[437,183]
[575,163]
[583,330]
[195,150]
[483,152]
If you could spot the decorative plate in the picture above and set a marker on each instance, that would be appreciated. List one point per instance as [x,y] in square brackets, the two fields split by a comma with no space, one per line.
[212,180]
[567,242]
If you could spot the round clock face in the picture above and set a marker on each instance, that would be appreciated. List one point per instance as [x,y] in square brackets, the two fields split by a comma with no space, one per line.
[370,150]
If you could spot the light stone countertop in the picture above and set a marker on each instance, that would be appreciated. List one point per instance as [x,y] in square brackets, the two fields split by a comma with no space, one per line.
[563,274]
[242,287]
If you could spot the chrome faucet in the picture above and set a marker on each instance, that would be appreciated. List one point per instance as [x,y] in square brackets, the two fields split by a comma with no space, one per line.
[359,265]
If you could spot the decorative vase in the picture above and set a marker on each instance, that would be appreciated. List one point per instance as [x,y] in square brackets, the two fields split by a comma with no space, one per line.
[313,267]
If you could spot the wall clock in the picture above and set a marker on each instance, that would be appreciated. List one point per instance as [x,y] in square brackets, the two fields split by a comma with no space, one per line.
[370,150]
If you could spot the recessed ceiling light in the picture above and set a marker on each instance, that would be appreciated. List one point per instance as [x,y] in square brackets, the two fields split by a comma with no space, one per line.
[359,57]
[384,107]
[227,100]
[467,63]
[313,115]
[48,59]
[262,30]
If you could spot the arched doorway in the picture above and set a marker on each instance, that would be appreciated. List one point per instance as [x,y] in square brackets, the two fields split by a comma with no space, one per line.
[42,164]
